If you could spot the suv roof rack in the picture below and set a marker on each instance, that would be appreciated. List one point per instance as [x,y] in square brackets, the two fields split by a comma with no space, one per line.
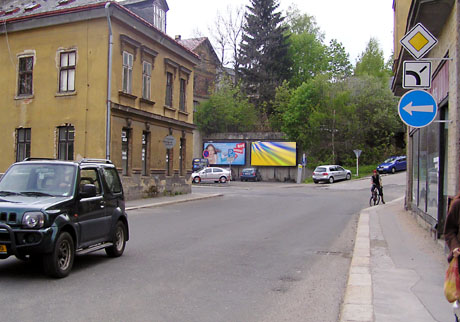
[88,160]
[37,159]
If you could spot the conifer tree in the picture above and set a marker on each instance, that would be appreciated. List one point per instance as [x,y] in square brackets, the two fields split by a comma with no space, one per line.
[264,60]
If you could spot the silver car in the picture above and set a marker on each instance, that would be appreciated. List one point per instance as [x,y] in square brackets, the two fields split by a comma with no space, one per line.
[330,173]
[211,174]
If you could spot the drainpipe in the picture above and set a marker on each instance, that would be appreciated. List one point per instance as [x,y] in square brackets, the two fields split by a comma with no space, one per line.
[109,83]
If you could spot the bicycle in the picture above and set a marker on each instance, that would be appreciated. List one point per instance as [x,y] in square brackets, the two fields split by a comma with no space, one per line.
[375,198]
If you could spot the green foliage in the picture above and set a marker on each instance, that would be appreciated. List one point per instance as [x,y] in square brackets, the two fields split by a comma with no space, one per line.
[307,52]
[227,110]
[372,63]
[263,59]
[339,66]
[309,55]
[329,120]
[306,90]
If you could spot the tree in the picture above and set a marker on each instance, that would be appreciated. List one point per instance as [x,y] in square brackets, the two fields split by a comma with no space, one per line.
[339,65]
[306,51]
[263,58]
[227,110]
[371,62]
[331,119]
[226,34]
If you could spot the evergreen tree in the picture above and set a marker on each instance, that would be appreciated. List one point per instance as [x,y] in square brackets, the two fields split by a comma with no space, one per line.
[264,62]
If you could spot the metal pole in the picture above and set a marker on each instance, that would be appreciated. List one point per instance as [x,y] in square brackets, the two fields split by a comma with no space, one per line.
[357,166]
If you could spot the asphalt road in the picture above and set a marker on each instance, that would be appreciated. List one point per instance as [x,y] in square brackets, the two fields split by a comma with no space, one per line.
[261,252]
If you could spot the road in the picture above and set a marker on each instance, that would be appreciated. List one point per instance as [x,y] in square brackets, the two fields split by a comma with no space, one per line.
[261,252]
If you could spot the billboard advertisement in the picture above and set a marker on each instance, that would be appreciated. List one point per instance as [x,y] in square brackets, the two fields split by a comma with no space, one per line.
[274,154]
[225,153]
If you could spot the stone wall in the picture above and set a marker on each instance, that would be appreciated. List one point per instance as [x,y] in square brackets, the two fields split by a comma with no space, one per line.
[137,186]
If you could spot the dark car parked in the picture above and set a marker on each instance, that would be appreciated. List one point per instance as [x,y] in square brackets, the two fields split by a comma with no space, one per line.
[51,210]
[393,164]
[250,174]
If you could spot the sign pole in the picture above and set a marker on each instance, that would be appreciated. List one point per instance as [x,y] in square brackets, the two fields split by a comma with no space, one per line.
[357,167]
[357,153]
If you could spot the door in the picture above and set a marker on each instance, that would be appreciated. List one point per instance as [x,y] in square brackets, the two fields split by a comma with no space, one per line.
[341,173]
[92,220]
[207,174]
[217,173]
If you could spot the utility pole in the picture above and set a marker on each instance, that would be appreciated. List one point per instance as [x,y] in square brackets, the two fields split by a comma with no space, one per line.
[333,134]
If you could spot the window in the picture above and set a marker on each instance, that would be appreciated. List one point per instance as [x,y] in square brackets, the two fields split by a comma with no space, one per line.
[23,144]
[169,78]
[146,75]
[159,18]
[127,72]
[145,153]
[67,72]
[90,176]
[125,151]
[112,179]
[182,99]
[26,66]
[66,140]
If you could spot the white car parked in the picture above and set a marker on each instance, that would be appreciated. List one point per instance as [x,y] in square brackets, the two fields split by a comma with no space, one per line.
[330,173]
[211,174]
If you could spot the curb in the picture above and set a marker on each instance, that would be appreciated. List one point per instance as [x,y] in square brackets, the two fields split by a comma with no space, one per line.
[357,305]
[165,203]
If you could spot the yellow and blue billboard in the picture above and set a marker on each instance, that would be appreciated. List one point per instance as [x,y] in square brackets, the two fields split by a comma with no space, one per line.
[274,154]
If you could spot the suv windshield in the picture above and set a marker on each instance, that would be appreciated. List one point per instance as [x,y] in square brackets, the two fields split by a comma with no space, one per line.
[39,180]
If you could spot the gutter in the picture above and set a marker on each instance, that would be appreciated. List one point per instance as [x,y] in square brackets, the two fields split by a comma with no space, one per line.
[109,83]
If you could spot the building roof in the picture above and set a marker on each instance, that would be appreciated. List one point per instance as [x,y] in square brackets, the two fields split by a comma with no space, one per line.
[162,3]
[15,11]
[193,43]
[10,9]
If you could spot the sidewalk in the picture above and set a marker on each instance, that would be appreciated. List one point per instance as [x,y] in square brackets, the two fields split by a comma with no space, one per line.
[167,200]
[397,270]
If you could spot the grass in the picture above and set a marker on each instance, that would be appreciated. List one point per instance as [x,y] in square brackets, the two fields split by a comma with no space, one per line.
[364,171]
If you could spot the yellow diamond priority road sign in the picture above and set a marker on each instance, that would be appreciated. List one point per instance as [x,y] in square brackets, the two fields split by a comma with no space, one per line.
[418,41]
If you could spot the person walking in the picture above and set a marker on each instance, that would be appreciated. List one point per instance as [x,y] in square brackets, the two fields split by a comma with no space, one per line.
[452,238]
[376,182]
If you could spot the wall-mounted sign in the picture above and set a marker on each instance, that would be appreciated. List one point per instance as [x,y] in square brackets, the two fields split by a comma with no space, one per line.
[417,108]
[418,41]
[417,74]
[169,141]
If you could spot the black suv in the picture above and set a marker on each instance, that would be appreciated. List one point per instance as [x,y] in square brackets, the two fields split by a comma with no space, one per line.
[51,210]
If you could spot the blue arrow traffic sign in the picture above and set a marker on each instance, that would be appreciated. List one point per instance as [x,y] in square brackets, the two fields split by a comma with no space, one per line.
[417,108]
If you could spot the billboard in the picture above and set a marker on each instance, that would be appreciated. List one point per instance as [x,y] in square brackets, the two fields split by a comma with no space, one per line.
[225,153]
[274,154]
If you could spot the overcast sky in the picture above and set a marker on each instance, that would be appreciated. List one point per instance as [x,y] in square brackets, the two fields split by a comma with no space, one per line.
[351,22]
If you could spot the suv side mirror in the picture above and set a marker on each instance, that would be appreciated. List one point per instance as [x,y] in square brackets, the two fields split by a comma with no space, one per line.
[88,191]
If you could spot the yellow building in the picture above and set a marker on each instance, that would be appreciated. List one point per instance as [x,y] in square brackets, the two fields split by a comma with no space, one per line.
[97,79]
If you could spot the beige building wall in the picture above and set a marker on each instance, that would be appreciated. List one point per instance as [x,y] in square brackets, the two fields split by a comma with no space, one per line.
[401,11]
[86,108]
[47,109]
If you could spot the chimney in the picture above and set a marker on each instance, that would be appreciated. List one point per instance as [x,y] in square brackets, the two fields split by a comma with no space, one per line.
[178,37]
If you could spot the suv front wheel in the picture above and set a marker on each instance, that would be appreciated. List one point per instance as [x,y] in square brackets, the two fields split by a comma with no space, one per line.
[60,261]
[119,241]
